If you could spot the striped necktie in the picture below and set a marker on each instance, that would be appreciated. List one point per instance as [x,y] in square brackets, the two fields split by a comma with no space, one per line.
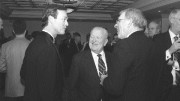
[101,65]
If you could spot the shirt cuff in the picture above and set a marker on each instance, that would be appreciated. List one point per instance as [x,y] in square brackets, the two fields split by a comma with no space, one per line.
[168,55]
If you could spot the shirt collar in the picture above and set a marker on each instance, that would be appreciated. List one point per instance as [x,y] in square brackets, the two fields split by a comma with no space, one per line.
[102,53]
[49,34]
[172,35]
[20,35]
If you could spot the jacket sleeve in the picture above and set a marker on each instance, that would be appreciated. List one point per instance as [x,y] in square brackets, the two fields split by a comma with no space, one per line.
[3,65]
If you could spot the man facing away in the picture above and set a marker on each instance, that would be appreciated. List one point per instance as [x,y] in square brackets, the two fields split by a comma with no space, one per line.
[12,55]
[42,70]
[127,77]
[85,72]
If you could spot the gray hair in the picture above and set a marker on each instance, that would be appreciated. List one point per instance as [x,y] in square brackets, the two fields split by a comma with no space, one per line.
[173,13]
[137,17]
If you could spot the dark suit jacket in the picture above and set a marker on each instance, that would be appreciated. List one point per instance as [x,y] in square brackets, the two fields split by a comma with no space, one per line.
[84,79]
[42,70]
[165,79]
[128,77]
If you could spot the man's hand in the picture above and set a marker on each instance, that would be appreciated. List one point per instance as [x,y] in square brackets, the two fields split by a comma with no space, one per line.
[170,62]
[102,78]
[175,46]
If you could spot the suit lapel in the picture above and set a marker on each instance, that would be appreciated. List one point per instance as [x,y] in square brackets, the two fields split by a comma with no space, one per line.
[167,40]
[107,56]
[92,66]
[50,41]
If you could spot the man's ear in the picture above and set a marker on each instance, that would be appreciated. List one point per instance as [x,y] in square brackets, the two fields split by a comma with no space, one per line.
[50,19]
[13,32]
[130,23]
[106,42]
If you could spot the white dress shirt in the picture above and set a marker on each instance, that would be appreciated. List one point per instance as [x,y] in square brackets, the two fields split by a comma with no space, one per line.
[95,58]
[168,56]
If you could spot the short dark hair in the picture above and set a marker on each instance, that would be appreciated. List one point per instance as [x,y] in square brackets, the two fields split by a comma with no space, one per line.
[75,34]
[51,10]
[19,27]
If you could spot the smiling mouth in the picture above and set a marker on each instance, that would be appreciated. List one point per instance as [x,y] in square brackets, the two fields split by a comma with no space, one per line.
[94,44]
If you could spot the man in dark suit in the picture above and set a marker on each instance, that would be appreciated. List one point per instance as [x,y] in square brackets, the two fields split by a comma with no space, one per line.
[42,70]
[167,87]
[85,74]
[127,78]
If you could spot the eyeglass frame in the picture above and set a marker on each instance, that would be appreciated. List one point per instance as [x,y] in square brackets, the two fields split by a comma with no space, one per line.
[118,20]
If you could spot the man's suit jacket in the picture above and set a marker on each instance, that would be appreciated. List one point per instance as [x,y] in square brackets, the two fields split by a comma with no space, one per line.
[164,77]
[84,79]
[127,78]
[11,58]
[42,70]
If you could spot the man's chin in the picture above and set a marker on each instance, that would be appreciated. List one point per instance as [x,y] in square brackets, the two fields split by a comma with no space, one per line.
[62,32]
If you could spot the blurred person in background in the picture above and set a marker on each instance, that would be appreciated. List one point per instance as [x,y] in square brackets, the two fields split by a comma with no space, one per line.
[153,29]
[11,58]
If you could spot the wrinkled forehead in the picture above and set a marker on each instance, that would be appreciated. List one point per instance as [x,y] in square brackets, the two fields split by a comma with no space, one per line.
[96,32]
[153,24]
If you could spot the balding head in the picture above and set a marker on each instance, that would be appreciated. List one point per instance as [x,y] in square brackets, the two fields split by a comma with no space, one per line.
[98,39]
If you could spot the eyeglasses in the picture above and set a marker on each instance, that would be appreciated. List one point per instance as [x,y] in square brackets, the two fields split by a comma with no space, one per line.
[118,20]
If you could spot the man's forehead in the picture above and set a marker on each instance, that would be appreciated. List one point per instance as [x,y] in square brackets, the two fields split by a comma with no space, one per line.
[62,13]
[178,14]
[95,33]
[153,24]
[97,30]
[122,15]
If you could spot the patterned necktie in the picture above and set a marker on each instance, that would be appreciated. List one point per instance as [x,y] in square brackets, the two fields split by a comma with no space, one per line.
[101,65]
[177,58]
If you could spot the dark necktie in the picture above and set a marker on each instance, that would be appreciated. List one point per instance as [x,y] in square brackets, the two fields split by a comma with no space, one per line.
[177,58]
[101,65]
